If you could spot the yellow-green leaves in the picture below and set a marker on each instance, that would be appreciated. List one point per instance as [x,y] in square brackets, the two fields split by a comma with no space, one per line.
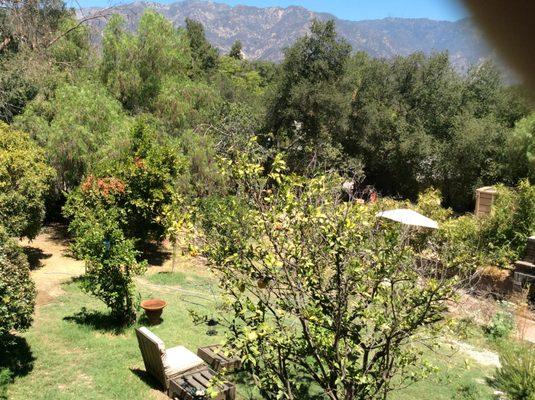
[24,181]
[315,285]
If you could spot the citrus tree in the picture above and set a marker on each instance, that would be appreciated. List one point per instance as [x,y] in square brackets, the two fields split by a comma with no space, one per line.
[321,295]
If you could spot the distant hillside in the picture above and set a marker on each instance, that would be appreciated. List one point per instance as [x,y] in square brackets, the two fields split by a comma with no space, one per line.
[265,32]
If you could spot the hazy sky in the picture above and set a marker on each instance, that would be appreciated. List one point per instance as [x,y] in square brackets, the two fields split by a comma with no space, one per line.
[450,10]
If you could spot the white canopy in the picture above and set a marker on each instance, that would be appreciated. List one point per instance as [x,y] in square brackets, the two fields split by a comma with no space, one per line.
[408,217]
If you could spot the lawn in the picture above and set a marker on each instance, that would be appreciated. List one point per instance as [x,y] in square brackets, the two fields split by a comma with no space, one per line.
[73,352]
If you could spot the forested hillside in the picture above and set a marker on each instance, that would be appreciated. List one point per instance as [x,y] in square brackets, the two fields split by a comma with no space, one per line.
[266,32]
[405,124]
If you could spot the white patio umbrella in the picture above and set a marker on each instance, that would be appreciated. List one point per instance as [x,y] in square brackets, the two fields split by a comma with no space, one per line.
[408,217]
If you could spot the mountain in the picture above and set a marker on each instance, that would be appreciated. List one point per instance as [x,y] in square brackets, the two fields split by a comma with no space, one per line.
[265,32]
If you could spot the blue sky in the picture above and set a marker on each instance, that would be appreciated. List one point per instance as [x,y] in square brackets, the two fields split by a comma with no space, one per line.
[450,10]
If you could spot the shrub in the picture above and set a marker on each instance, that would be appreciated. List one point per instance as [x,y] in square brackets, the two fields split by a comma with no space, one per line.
[501,325]
[430,204]
[139,187]
[151,172]
[5,379]
[523,219]
[469,391]
[97,226]
[512,221]
[497,239]
[110,260]
[17,290]
[24,178]
[462,238]
[516,376]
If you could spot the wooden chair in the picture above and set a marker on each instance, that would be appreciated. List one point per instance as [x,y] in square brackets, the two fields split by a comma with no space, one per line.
[165,364]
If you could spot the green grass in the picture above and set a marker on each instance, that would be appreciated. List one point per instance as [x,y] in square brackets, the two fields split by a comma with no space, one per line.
[455,372]
[179,279]
[77,354]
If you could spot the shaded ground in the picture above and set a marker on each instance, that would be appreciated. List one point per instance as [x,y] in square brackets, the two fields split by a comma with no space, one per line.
[49,262]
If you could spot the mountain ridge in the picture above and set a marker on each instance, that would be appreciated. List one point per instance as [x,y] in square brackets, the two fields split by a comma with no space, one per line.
[265,32]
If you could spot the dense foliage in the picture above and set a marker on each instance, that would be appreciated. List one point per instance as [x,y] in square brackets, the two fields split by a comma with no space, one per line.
[421,124]
[139,185]
[516,375]
[78,126]
[24,178]
[17,290]
[309,109]
[122,207]
[408,123]
[497,239]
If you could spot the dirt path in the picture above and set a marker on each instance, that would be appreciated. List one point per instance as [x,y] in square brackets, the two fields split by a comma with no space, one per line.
[49,263]
[481,356]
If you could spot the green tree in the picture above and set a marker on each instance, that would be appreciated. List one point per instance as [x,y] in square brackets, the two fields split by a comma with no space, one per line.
[16,88]
[110,257]
[471,158]
[30,24]
[161,50]
[308,110]
[521,148]
[320,295]
[17,289]
[135,65]
[236,50]
[118,66]
[73,48]
[205,56]
[78,126]
[203,177]
[238,81]
[481,92]
[416,123]
[392,141]
[24,181]
[39,39]
[183,104]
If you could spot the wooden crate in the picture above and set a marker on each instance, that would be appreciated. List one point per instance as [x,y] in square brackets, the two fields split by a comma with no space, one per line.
[485,197]
[214,357]
[185,387]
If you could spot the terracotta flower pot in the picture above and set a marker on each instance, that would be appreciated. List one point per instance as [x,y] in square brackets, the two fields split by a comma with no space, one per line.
[153,309]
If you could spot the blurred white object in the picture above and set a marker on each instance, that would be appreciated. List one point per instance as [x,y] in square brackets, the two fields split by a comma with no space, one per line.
[408,217]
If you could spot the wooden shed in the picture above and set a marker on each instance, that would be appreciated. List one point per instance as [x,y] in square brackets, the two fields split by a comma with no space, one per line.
[485,197]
